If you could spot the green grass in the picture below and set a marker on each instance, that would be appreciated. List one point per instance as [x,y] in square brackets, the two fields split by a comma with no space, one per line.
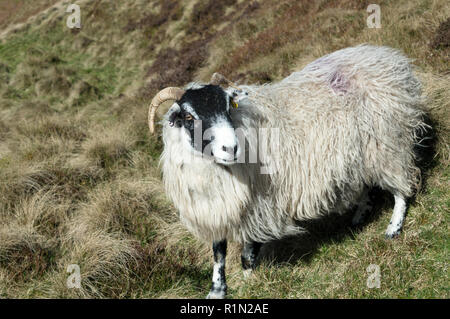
[79,176]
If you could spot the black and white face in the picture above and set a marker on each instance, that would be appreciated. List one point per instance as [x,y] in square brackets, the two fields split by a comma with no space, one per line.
[204,113]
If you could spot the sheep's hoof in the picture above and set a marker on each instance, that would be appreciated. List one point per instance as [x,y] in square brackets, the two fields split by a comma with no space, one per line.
[393,230]
[214,294]
[392,234]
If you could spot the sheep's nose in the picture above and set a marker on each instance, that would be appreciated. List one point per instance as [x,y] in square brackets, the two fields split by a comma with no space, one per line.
[229,149]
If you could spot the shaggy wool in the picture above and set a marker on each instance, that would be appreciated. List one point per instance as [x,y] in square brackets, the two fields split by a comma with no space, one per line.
[347,121]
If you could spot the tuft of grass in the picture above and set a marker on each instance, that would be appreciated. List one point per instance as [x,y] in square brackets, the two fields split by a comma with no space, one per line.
[109,149]
[442,37]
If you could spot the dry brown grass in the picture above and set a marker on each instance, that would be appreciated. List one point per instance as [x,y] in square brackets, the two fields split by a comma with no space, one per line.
[18,11]
[442,37]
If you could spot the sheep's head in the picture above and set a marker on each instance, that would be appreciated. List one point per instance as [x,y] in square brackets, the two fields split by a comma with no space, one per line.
[201,113]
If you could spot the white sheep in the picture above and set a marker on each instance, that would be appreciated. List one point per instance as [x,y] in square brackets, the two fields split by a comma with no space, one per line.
[345,123]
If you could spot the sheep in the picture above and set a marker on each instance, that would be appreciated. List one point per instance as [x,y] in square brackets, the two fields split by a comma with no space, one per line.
[345,123]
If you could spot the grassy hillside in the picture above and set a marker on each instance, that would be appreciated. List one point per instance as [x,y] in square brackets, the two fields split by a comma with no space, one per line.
[79,177]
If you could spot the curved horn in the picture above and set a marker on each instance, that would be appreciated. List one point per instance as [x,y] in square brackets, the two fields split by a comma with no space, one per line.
[170,93]
[218,79]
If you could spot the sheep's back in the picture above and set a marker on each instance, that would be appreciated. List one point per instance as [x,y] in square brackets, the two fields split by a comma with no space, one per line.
[346,120]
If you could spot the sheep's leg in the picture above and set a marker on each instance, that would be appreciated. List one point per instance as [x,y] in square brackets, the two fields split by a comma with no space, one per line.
[250,252]
[364,207]
[219,286]
[398,217]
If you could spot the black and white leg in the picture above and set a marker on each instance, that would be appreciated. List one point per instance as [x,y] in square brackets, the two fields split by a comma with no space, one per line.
[364,208]
[249,254]
[219,286]
[398,217]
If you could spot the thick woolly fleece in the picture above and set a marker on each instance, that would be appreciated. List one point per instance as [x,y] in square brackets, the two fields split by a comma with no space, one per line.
[346,121]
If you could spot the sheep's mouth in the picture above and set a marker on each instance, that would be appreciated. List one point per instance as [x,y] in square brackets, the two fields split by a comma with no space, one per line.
[224,157]
[225,161]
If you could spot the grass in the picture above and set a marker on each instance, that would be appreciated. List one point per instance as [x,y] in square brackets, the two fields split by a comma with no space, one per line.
[79,177]
[18,11]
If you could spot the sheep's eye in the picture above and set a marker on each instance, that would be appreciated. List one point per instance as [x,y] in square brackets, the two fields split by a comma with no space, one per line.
[188,117]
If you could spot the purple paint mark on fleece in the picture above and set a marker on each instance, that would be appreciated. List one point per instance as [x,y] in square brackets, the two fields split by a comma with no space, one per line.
[339,83]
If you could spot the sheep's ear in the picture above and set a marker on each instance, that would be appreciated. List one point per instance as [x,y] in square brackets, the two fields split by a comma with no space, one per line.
[236,95]
[173,114]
